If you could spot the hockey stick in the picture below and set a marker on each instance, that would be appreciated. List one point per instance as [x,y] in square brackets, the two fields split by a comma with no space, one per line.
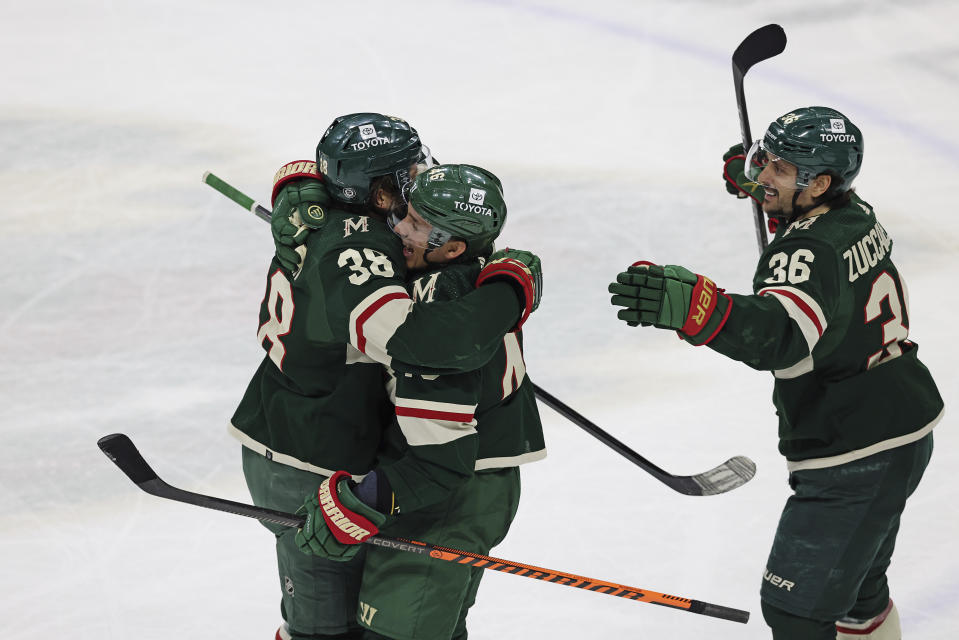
[121,450]
[762,44]
[731,474]
[237,196]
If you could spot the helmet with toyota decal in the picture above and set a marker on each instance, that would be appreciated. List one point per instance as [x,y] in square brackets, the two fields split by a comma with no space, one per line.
[817,140]
[461,202]
[359,147]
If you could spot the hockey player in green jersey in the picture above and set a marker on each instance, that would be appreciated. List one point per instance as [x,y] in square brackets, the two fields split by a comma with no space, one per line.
[317,403]
[829,318]
[450,472]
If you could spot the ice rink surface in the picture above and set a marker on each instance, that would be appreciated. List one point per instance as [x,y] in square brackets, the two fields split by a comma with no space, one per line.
[130,292]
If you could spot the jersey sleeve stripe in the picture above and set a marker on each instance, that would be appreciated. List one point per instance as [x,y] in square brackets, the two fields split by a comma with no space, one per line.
[434,415]
[803,309]
[421,431]
[374,321]
[433,405]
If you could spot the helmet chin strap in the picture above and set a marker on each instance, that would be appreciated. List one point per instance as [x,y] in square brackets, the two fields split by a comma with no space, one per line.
[797,209]
[800,210]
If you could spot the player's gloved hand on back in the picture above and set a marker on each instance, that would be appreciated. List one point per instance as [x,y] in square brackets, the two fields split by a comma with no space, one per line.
[337,521]
[289,236]
[734,175]
[520,268]
[299,202]
[671,297]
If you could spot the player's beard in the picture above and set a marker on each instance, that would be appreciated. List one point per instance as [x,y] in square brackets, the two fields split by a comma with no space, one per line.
[780,213]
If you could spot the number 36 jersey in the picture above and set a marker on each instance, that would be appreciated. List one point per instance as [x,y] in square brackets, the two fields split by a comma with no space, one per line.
[829,317]
[318,400]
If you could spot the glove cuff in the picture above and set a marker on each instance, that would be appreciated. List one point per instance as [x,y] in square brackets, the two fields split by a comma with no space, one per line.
[714,322]
[296,170]
[346,525]
[517,274]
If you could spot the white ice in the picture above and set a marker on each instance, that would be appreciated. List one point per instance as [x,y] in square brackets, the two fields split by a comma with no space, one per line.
[130,292]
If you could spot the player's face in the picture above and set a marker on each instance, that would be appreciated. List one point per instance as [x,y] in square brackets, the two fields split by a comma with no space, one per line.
[414,231]
[778,178]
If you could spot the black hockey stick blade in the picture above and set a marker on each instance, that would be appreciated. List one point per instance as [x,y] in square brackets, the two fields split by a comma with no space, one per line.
[762,44]
[731,474]
[121,450]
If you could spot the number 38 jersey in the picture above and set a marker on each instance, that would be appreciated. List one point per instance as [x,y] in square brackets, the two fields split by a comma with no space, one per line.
[318,400]
[829,317]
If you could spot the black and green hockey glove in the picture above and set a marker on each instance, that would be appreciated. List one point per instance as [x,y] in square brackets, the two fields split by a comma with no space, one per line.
[299,202]
[671,297]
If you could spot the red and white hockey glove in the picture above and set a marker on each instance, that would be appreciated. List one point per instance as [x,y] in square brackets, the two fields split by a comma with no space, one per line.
[671,297]
[523,270]
[336,521]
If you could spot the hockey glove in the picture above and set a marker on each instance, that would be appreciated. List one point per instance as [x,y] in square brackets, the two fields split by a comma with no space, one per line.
[289,236]
[734,175]
[299,201]
[523,270]
[671,297]
[336,521]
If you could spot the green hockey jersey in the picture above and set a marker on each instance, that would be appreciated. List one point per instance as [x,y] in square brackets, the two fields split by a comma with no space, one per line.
[448,427]
[829,317]
[318,401]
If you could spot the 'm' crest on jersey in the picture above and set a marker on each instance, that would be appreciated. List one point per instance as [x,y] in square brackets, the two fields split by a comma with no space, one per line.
[360,225]
[425,288]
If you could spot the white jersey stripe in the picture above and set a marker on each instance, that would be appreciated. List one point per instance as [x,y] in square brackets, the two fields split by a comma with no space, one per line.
[803,310]
[421,431]
[859,454]
[510,461]
[282,458]
[374,320]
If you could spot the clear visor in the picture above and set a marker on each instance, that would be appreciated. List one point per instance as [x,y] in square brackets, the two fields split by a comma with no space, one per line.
[758,159]
[425,161]
[414,231]
[405,179]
